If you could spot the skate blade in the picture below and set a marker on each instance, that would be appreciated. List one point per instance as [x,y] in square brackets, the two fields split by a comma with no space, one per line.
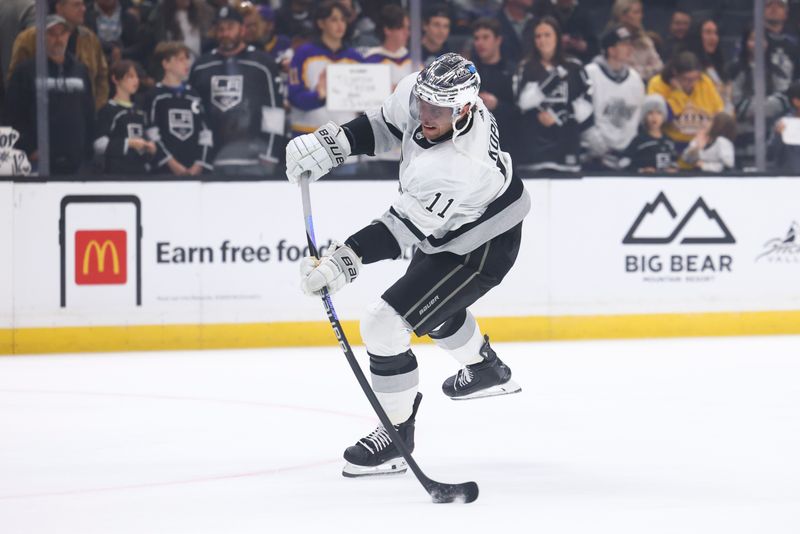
[396,466]
[508,388]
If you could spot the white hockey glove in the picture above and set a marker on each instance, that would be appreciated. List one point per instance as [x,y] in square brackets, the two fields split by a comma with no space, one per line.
[317,153]
[337,267]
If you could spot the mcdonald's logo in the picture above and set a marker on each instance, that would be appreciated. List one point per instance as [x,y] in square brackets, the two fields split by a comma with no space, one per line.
[101,257]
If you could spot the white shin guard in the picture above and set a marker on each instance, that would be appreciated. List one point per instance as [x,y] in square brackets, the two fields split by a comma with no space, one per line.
[395,377]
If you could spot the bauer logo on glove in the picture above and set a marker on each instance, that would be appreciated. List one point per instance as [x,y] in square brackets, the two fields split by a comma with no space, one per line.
[333,146]
[317,153]
[337,267]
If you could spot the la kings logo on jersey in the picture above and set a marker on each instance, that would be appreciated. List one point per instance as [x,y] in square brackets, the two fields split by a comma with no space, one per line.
[618,112]
[226,91]
[181,123]
[663,160]
[559,94]
[135,131]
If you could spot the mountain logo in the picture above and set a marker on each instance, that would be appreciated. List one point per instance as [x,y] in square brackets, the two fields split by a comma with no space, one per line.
[656,225]
[783,249]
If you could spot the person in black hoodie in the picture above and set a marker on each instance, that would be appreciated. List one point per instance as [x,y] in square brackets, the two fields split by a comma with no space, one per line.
[497,90]
[71,104]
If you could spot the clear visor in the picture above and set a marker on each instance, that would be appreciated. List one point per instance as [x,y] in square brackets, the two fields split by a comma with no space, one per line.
[425,112]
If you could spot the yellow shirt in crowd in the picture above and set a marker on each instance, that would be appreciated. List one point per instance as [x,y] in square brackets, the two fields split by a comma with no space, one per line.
[690,113]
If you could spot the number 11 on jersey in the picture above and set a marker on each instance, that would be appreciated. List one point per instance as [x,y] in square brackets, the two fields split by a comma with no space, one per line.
[435,200]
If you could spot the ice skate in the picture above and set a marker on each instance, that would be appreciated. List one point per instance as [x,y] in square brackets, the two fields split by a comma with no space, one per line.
[488,378]
[375,454]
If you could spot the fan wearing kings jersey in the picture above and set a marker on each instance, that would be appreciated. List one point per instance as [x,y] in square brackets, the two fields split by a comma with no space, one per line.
[461,207]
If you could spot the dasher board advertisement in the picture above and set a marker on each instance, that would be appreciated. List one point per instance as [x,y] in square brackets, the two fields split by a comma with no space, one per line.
[675,245]
[161,253]
[100,239]
[7,248]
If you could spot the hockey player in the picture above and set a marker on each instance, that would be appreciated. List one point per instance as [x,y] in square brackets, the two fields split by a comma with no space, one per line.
[618,94]
[121,144]
[240,88]
[460,205]
[177,122]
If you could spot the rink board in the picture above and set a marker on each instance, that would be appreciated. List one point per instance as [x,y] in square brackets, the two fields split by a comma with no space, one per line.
[153,265]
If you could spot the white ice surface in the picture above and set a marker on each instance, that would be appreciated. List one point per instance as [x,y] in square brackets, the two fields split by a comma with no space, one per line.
[678,436]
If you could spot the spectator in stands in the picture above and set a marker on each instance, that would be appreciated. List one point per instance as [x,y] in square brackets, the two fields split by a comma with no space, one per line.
[176,117]
[497,74]
[712,149]
[435,31]
[782,47]
[120,144]
[691,96]
[15,16]
[651,150]
[308,88]
[70,103]
[296,17]
[466,12]
[785,157]
[703,41]
[360,28]
[553,94]
[117,29]
[741,73]
[645,59]
[188,21]
[516,28]
[679,25]
[618,93]
[240,87]
[141,9]
[580,40]
[259,31]
[394,31]
[83,44]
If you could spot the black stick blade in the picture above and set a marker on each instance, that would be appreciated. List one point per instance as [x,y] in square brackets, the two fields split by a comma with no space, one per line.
[448,493]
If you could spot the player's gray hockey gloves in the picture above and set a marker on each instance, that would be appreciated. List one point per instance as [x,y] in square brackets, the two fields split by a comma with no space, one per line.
[317,153]
[337,267]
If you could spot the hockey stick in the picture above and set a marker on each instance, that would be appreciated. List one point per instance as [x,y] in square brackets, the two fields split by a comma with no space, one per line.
[440,492]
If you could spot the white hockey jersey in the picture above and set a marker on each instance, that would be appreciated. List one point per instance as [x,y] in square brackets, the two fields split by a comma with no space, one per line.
[455,194]
[617,104]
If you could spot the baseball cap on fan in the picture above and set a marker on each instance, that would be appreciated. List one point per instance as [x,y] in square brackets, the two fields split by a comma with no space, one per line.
[615,35]
[54,20]
[228,13]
